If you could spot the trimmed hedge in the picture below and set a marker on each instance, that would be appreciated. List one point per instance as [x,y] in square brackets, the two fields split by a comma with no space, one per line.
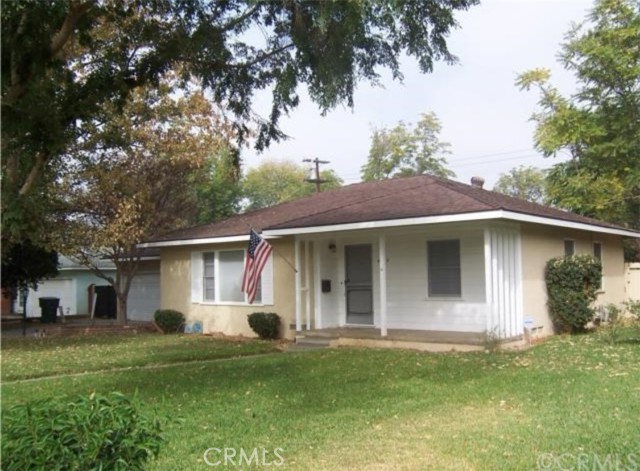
[265,324]
[572,286]
[90,433]
[169,321]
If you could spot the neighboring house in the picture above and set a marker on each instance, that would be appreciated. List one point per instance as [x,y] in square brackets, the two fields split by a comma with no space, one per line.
[414,254]
[77,287]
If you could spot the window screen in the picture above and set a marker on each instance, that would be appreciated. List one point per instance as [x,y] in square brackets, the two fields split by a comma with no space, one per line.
[209,276]
[569,247]
[231,265]
[444,267]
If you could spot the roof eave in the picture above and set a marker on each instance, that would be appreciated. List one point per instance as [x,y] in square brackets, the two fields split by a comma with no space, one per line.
[448,218]
[201,241]
[389,223]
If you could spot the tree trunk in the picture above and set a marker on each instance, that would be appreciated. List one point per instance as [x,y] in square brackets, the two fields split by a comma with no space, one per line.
[121,317]
[122,293]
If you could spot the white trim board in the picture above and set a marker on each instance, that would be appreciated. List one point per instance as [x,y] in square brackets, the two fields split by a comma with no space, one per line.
[477,216]
[445,218]
[204,241]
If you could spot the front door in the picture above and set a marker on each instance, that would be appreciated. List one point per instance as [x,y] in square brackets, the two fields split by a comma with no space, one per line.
[359,284]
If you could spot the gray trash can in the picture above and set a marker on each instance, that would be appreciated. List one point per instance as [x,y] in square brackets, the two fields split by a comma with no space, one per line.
[48,310]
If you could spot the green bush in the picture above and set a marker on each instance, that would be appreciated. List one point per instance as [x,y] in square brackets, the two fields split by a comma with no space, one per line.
[572,285]
[169,321]
[91,433]
[265,324]
[633,307]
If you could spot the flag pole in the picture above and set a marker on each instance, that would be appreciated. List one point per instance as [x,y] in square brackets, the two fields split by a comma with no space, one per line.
[272,247]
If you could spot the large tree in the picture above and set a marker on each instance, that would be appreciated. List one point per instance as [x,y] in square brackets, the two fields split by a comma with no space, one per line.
[277,181]
[64,61]
[219,194]
[527,183]
[407,150]
[136,176]
[599,125]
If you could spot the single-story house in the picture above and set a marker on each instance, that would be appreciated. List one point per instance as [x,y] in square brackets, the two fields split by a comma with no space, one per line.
[414,254]
[79,288]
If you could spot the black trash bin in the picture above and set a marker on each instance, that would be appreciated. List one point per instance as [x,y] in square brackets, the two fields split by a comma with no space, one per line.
[48,310]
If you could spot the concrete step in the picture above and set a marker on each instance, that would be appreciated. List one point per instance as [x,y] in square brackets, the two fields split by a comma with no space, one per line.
[304,343]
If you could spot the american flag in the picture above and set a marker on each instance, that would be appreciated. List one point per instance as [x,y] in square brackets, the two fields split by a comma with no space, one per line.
[254,260]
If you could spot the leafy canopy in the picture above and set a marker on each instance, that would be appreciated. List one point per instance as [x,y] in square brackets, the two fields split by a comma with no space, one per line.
[64,61]
[407,150]
[277,181]
[599,125]
[135,177]
[526,183]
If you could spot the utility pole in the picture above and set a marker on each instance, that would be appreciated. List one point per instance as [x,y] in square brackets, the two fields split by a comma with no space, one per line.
[316,180]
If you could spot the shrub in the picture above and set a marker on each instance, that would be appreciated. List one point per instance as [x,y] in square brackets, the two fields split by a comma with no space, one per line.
[91,433]
[169,321]
[265,324]
[633,307]
[572,285]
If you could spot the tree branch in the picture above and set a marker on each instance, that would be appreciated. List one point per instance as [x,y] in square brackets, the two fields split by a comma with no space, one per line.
[19,82]
[66,30]
[34,173]
[236,21]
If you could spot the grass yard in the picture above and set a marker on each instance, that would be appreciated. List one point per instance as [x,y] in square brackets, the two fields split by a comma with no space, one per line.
[570,402]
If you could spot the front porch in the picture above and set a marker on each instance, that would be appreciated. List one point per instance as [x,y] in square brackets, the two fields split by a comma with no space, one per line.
[374,285]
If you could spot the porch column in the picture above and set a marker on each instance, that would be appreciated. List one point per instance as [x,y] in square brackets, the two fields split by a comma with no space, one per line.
[382,255]
[297,285]
[317,289]
[307,276]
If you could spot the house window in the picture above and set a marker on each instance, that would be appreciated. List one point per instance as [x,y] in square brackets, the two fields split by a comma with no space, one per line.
[597,254]
[597,251]
[231,265]
[209,276]
[569,247]
[444,268]
[222,277]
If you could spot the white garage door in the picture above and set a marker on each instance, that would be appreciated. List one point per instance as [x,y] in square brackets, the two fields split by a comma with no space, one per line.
[63,289]
[144,297]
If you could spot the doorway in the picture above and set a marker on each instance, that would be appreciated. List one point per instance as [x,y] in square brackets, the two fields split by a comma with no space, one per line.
[359,284]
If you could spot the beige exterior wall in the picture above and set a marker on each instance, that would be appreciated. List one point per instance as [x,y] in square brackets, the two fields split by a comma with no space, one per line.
[540,243]
[175,273]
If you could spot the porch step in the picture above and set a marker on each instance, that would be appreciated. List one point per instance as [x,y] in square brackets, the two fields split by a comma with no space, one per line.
[309,343]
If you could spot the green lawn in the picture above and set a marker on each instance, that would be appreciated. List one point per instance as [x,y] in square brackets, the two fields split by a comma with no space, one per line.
[575,397]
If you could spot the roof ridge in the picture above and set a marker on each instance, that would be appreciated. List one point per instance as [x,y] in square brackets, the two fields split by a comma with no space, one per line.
[451,183]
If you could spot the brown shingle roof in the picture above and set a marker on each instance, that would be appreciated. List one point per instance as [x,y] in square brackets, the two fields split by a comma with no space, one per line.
[400,198]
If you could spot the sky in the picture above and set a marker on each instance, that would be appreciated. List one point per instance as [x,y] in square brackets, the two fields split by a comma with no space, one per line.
[484,116]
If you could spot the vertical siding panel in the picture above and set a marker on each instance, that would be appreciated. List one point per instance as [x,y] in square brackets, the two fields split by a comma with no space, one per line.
[488,277]
[514,287]
[510,283]
[496,294]
[500,268]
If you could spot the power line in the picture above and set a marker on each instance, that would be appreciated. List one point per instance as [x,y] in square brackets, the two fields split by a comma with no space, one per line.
[494,154]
